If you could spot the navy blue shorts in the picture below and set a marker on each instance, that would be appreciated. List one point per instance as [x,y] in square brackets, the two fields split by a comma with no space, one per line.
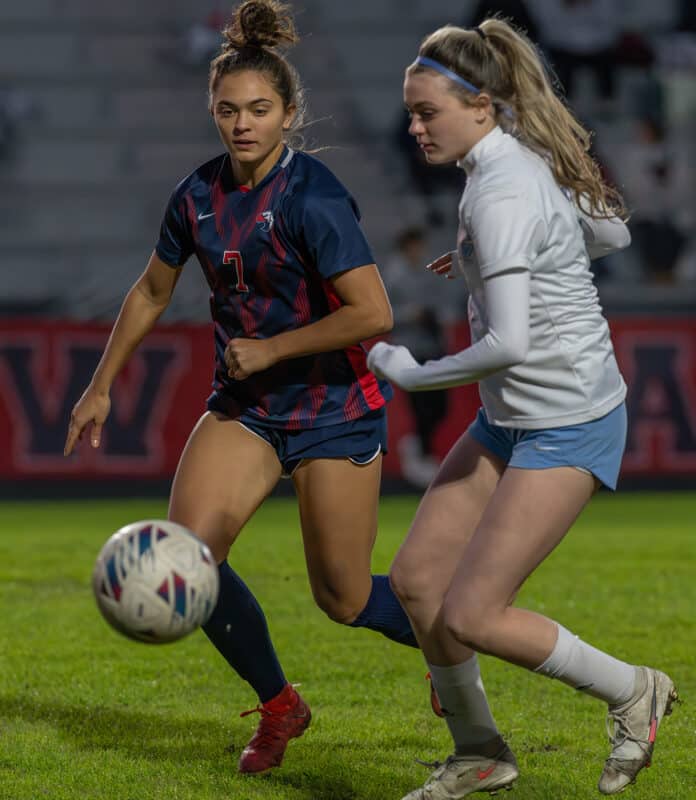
[596,446]
[359,440]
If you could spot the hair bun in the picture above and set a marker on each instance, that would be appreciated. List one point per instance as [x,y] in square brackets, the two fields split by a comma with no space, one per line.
[260,23]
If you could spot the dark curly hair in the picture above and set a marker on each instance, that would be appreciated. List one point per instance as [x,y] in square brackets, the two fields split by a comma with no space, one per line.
[252,41]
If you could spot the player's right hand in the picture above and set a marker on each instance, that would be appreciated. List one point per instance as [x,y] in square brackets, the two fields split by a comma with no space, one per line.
[443,266]
[390,361]
[92,408]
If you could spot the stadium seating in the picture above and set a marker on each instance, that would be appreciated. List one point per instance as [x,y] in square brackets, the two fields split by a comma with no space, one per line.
[120,119]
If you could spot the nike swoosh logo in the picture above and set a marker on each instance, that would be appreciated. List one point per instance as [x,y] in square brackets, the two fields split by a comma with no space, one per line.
[542,447]
[482,774]
[205,216]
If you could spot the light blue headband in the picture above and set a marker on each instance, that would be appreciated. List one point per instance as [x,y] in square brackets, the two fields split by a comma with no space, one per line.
[441,68]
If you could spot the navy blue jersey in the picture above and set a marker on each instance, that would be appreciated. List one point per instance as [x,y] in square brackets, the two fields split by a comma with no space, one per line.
[268,254]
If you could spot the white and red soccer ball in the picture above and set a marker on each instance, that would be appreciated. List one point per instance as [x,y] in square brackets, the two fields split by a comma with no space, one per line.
[155,582]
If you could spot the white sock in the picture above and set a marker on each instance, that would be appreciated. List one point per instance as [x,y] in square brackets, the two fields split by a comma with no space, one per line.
[463,699]
[589,670]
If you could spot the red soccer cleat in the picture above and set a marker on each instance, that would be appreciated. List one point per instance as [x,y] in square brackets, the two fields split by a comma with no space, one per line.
[284,717]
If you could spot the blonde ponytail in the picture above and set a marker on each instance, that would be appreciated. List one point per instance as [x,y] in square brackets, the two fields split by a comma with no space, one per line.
[503,62]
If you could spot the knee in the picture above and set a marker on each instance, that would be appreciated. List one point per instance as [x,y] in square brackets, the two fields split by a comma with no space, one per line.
[400,582]
[412,587]
[217,530]
[472,624]
[338,606]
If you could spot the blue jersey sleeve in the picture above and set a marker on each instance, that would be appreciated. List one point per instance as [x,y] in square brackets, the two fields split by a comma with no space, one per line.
[175,243]
[327,223]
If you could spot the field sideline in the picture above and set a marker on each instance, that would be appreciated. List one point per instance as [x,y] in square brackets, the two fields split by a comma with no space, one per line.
[87,714]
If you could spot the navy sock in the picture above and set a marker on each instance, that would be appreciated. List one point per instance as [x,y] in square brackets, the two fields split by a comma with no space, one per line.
[237,627]
[383,613]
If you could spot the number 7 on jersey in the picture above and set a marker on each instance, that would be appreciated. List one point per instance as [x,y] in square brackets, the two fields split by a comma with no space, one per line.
[235,257]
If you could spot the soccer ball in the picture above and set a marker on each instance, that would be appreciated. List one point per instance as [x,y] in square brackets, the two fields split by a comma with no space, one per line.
[155,582]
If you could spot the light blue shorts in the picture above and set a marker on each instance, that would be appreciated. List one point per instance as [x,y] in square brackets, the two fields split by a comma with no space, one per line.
[596,446]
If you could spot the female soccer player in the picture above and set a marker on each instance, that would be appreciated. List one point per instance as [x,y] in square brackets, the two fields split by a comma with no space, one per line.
[553,422]
[293,292]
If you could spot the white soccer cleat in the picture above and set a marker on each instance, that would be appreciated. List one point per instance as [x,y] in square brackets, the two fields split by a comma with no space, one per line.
[635,725]
[461,776]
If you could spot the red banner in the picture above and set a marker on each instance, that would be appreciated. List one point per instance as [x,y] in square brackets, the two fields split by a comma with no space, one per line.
[44,366]
[658,361]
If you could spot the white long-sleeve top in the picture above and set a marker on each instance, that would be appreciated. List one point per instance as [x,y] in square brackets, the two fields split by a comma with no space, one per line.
[541,349]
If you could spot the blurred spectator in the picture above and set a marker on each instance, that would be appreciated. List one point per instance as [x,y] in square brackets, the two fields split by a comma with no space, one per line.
[423,305]
[676,48]
[581,34]
[654,172]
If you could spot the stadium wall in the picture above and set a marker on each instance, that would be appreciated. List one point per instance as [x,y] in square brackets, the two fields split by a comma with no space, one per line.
[156,400]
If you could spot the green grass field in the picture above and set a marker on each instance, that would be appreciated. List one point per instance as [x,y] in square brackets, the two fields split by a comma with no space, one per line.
[87,714]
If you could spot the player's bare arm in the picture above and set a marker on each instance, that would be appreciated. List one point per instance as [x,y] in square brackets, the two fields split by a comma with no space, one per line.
[141,309]
[366,312]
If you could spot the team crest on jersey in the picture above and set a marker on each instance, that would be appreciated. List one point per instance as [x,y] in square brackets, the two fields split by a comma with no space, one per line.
[265,220]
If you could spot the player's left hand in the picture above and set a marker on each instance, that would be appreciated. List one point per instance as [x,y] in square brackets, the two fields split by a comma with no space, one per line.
[244,357]
[390,361]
